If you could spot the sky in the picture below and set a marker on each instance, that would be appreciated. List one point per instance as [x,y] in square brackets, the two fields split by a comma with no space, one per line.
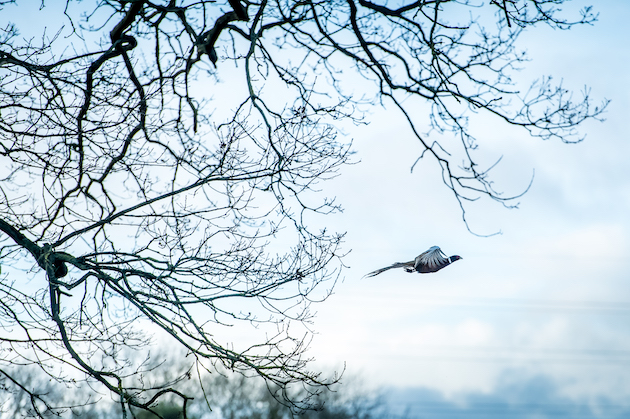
[530,320]
[545,304]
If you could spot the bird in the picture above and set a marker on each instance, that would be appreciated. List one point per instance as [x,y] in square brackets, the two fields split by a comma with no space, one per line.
[430,261]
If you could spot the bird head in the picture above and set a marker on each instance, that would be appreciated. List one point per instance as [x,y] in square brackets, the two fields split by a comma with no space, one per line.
[455,257]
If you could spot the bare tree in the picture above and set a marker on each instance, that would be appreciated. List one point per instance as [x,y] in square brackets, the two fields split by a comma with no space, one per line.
[157,157]
[221,394]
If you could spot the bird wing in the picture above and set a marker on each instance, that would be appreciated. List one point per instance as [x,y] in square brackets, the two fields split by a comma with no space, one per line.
[395,265]
[433,259]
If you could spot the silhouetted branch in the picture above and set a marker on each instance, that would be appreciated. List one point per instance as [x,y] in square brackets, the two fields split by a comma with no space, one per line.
[145,188]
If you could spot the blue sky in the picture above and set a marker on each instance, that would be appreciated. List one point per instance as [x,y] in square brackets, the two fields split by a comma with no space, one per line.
[548,300]
[538,313]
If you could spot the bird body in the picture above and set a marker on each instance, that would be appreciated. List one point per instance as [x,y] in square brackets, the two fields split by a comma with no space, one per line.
[430,261]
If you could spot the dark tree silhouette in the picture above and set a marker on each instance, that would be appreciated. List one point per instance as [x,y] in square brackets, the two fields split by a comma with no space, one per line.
[160,161]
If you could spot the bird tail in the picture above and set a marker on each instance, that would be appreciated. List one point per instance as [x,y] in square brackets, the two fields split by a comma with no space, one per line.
[395,265]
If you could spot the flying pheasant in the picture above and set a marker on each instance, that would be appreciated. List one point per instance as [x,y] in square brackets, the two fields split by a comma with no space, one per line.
[430,261]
